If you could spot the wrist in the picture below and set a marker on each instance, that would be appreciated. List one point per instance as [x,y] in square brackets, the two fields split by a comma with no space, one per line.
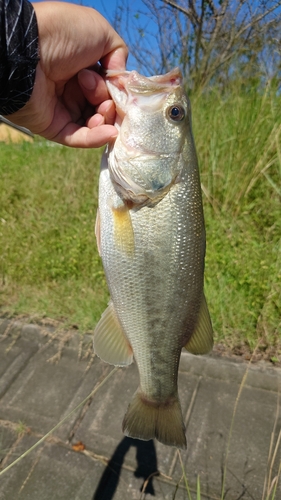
[19,38]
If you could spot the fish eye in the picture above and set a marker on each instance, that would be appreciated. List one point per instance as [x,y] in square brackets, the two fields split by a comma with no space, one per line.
[176,113]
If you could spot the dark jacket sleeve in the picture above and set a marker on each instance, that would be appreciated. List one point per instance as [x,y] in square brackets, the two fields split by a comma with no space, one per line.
[18,54]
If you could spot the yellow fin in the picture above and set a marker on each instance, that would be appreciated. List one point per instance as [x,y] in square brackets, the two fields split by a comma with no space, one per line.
[110,343]
[148,419]
[97,230]
[123,230]
[201,341]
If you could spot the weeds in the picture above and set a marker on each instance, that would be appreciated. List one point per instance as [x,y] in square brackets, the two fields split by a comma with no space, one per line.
[21,429]
[238,137]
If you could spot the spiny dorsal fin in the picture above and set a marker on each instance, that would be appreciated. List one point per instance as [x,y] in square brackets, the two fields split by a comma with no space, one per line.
[201,341]
[110,342]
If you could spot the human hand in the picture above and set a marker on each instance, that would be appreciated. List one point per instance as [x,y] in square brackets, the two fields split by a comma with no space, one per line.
[70,104]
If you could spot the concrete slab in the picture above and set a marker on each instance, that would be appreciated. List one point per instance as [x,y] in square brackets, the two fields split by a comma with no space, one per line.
[49,472]
[43,392]
[40,394]
[208,437]
[101,427]
[13,358]
[8,437]
[255,418]
[54,471]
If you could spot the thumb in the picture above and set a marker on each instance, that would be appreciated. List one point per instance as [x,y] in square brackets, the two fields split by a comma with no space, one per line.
[116,59]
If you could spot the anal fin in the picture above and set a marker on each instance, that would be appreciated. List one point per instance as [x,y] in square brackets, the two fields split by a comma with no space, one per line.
[201,341]
[110,342]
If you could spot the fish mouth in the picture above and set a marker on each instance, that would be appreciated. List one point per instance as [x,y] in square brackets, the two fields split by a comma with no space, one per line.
[127,88]
[121,84]
[143,83]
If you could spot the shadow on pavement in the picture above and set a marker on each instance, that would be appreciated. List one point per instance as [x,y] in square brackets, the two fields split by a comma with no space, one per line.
[146,467]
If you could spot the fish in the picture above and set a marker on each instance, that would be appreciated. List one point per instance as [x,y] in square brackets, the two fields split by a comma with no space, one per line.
[151,238]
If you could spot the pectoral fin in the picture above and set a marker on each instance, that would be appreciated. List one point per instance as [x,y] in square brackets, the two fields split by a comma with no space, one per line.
[110,342]
[201,341]
[123,230]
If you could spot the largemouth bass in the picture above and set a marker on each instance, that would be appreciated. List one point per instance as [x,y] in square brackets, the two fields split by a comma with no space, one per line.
[151,238]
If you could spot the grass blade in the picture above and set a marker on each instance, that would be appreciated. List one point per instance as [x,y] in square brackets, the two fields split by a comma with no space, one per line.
[184,477]
[198,493]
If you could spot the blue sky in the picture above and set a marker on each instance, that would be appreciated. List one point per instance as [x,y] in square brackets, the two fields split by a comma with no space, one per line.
[108,9]
[105,7]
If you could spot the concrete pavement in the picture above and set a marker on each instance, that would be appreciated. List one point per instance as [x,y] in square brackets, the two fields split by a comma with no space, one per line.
[88,458]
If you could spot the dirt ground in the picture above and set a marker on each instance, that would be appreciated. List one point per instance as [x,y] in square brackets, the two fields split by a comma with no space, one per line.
[9,134]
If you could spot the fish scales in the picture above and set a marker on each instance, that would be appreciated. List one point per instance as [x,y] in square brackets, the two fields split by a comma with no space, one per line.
[155,280]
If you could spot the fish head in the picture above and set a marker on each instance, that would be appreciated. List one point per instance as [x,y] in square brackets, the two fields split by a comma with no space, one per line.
[153,119]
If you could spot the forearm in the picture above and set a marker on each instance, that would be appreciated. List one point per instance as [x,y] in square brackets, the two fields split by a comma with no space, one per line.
[19,54]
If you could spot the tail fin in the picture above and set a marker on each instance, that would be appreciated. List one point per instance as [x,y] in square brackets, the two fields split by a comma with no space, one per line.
[147,420]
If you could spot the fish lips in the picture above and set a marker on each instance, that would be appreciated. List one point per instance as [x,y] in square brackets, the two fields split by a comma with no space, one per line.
[125,84]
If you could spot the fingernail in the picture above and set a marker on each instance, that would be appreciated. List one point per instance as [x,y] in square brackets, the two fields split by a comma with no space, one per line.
[99,120]
[116,59]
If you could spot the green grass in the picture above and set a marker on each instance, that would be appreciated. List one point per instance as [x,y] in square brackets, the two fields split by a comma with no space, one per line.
[49,265]
[238,139]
